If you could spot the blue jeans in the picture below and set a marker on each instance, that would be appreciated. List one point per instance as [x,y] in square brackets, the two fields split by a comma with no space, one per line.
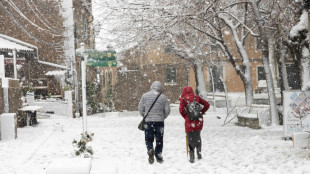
[154,130]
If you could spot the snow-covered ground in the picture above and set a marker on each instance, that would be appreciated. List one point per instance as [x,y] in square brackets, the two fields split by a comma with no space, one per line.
[119,147]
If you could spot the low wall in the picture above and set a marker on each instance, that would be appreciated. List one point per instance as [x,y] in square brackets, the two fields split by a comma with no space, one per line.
[248,122]
[220,103]
[57,106]
[256,116]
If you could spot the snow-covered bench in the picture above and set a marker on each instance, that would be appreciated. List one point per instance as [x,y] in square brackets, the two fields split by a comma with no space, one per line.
[70,166]
[255,116]
[31,113]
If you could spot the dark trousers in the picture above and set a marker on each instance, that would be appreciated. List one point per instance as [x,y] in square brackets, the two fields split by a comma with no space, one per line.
[194,140]
[154,130]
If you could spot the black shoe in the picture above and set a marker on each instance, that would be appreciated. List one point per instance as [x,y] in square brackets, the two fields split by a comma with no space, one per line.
[191,156]
[159,159]
[199,152]
[151,154]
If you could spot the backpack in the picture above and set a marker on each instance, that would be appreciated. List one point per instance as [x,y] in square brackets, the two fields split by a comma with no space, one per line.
[194,110]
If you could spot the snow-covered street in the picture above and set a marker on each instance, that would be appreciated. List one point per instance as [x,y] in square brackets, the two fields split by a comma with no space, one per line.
[119,147]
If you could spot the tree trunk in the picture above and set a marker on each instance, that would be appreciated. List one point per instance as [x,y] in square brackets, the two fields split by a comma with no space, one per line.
[200,83]
[283,51]
[272,61]
[283,54]
[265,57]
[304,68]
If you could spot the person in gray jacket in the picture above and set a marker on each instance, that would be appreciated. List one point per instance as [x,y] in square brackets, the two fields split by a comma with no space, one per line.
[154,122]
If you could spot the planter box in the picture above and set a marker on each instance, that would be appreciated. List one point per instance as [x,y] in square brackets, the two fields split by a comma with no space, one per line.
[248,122]
[256,116]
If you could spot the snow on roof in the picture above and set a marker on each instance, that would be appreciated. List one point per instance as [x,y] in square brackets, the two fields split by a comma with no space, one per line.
[53,73]
[31,108]
[7,42]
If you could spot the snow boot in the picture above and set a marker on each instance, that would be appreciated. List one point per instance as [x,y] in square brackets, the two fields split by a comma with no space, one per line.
[151,154]
[191,156]
[159,159]
[199,152]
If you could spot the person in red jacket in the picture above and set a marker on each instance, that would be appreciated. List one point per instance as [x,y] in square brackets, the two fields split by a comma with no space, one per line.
[192,128]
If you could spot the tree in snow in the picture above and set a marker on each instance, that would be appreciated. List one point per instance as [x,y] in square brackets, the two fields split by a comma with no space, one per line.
[299,42]
[157,20]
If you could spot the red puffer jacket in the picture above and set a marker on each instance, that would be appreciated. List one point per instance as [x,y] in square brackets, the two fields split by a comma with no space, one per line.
[189,95]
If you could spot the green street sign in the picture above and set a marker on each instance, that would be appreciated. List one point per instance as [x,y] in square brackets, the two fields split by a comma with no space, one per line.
[102,63]
[101,58]
[102,55]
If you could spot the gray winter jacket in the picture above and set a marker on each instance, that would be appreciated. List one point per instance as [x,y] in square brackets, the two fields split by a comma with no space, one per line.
[161,108]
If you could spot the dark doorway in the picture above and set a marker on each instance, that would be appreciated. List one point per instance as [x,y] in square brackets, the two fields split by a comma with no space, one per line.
[217,72]
[293,76]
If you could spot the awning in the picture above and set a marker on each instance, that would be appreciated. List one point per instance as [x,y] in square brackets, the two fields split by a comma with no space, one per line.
[55,73]
[10,43]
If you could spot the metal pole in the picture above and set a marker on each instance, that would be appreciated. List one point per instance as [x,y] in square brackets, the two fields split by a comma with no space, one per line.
[83,67]
[214,104]
[14,62]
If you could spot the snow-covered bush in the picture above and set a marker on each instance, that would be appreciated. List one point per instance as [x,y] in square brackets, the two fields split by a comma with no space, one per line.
[81,147]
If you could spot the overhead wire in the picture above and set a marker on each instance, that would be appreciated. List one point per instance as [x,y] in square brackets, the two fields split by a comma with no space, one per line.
[10,2]
[53,45]
[43,22]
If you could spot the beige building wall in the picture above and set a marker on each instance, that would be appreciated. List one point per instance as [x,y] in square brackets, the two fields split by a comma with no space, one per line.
[144,66]
[232,79]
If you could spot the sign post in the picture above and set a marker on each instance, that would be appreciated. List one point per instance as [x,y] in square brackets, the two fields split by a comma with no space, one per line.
[83,67]
[93,58]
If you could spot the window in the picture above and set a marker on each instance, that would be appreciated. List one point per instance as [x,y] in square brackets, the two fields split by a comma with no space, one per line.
[168,49]
[213,48]
[106,77]
[103,80]
[171,75]
[293,76]
[110,76]
[261,73]
[258,43]
[217,74]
